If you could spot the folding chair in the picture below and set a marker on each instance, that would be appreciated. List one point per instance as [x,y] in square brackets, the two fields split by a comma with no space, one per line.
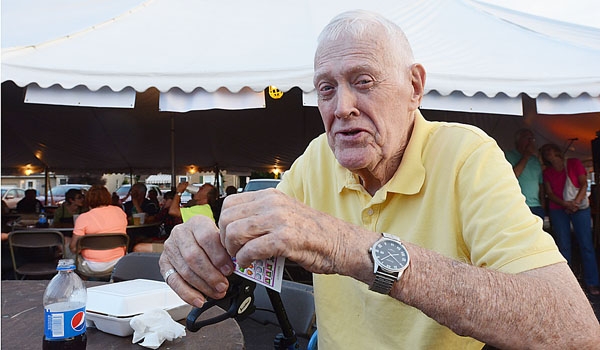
[298,301]
[137,265]
[35,252]
[99,241]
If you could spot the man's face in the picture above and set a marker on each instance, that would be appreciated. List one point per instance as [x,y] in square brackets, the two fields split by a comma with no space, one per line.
[364,100]
[138,192]
[526,139]
[202,194]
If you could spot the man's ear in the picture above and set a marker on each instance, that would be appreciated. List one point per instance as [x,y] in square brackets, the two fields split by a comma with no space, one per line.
[418,75]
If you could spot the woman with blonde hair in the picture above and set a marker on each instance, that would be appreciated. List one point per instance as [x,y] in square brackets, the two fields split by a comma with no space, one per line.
[102,218]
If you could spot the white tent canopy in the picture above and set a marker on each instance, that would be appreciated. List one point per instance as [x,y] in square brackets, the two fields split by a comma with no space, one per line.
[201,54]
[465,46]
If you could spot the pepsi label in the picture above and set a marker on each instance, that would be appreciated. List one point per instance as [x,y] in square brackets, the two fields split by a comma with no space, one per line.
[63,324]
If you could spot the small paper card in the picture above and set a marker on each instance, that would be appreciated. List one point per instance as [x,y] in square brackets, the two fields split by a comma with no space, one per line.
[267,272]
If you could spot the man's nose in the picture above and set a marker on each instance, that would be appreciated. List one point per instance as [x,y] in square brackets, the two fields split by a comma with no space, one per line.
[345,103]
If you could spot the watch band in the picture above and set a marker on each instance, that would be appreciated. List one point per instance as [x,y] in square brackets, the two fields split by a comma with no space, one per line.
[179,194]
[383,283]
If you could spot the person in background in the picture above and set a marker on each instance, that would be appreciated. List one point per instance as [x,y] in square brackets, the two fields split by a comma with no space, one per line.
[164,216]
[153,197]
[563,213]
[116,201]
[5,208]
[167,221]
[29,204]
[219,204]
[204,201]
[528,169]
[102,218]
[416,232]
[140,204]
[74,204]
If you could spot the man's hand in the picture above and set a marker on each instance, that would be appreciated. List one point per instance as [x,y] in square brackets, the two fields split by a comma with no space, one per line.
[194,250]
[268,223]
[260,225]
[182,186]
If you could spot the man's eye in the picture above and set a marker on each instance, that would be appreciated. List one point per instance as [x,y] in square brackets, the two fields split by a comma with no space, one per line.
[364,83]
[325,91]
[325,88]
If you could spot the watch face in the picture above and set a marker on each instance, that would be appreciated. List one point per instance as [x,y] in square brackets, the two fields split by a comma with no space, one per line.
[390,254]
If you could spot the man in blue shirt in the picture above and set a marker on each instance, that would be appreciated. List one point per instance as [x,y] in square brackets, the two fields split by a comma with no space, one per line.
[528,170]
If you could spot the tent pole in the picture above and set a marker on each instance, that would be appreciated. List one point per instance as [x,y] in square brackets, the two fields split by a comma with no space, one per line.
[173,183]
[46,185]
[218,180]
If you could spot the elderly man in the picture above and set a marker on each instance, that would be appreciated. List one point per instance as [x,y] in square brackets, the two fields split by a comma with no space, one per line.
[462,260]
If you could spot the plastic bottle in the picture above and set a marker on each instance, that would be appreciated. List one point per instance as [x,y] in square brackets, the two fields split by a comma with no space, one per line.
[42,219]
[64,310]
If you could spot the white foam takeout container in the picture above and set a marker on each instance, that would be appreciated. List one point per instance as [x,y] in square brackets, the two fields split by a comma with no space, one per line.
[111,306]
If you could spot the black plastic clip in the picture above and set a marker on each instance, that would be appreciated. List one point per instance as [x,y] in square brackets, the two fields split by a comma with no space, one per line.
[241,304]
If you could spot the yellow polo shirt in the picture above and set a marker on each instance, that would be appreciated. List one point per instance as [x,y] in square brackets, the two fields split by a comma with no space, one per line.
[453,193]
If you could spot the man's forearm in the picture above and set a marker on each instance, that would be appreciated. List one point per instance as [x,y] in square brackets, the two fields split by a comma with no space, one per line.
[543,308]
[174,208]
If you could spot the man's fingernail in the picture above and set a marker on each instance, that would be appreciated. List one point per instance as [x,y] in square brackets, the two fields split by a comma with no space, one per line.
[221,287]
[198,303]
[226,270]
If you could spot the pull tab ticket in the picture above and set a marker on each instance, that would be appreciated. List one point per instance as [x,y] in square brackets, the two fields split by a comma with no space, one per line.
[266,272]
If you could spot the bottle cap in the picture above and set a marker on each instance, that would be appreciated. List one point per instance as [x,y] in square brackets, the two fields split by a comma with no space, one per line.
[65,265]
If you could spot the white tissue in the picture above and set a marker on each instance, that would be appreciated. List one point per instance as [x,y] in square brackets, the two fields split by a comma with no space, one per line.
[155,326]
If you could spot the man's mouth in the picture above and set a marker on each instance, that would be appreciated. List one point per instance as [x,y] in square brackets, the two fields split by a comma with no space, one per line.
[350,132]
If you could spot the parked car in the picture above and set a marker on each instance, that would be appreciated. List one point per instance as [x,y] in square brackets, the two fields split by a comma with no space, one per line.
[261,184]
[56,196]
[124,190]
[11,196]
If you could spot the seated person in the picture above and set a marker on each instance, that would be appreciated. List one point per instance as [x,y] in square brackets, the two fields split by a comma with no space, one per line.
[116,201]
[140,204]
[74,204]
[5,208]
[153,197]
[204,200]
[217,209]
[167,220]
[29,204]
[102,218]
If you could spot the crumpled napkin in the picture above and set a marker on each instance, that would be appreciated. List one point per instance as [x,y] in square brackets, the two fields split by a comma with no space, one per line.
[155,326]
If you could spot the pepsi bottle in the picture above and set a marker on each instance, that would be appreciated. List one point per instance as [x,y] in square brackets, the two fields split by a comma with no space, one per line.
[64,310]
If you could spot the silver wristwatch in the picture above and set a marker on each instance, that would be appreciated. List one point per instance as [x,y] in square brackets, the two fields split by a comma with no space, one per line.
[390,259]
